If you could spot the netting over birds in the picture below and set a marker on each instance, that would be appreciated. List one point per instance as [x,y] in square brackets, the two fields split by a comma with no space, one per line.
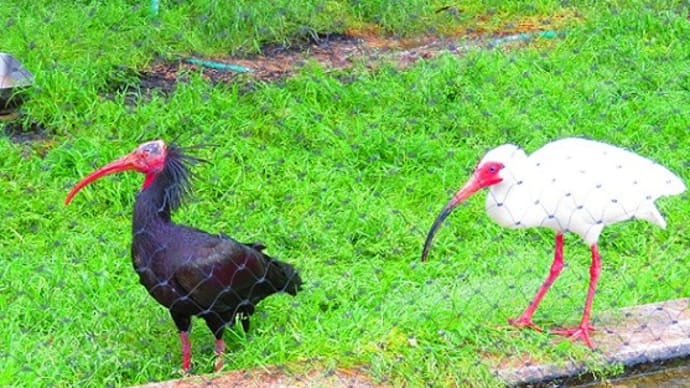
[569,185]
[187,270]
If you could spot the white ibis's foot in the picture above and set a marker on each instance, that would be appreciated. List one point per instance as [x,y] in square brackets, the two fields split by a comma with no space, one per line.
[577,333]
[524,322]
[220,352]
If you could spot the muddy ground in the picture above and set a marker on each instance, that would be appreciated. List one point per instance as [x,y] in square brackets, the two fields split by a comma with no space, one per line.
[337,52]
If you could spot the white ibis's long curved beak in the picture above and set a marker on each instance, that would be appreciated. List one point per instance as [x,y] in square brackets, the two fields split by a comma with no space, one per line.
[465,192]
[123,164]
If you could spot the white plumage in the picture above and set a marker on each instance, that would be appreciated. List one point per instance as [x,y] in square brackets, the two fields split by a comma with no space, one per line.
[577,185]
[569,185]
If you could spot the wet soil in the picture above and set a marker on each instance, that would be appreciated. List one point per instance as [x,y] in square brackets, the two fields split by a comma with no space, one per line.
[336,52]
[19,132]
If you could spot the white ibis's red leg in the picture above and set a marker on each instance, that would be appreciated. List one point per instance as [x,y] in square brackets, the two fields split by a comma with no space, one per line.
[220,351]
[525,319]
[186,351]
[583,329]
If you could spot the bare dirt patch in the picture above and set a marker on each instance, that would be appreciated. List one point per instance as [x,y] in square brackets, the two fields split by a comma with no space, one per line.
[273,377]
[341,51]
[333,51]
[19,132]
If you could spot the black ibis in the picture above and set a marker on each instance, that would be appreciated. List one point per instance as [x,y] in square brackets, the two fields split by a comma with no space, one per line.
[570,185]
[189,271]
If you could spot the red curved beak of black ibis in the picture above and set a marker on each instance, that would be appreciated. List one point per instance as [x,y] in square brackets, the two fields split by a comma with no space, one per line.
[148,159]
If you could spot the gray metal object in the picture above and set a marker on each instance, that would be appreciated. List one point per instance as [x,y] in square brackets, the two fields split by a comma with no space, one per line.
[14,80]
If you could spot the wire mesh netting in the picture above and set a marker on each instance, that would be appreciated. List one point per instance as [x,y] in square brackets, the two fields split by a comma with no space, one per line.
[191,272]
[333,133]
[580,186]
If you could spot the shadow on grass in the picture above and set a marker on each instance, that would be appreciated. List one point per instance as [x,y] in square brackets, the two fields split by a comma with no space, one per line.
[20,132]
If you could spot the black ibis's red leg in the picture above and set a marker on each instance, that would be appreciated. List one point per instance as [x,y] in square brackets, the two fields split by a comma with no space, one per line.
[583,329]
[186,351]
[216,323]
[183,324]
[525,319]
[220,351]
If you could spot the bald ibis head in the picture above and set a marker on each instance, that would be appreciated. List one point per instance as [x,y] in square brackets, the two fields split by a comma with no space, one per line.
[148,158]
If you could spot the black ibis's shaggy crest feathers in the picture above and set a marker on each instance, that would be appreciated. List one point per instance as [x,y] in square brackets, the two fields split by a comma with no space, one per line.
[173,182]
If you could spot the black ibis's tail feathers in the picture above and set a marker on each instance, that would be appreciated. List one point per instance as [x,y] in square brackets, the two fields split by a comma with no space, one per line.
[286,276]
[280,276]
[256,245]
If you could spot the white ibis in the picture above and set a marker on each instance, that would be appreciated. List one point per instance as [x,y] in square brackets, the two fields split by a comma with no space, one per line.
[569,185]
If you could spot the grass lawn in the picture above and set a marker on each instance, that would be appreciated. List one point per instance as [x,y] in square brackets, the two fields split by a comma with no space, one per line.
[341,176]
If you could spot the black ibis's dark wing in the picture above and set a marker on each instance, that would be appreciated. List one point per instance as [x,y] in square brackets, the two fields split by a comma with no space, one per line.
[222,274]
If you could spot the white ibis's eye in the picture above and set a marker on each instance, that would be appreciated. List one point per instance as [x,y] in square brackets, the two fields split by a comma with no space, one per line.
[492,169]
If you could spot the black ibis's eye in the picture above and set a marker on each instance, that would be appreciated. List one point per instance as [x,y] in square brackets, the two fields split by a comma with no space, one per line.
[150,148]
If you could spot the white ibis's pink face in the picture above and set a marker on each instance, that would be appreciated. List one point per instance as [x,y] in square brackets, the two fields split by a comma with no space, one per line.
[488,173]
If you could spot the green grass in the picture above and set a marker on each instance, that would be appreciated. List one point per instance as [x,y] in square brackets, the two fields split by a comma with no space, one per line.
[340,178]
